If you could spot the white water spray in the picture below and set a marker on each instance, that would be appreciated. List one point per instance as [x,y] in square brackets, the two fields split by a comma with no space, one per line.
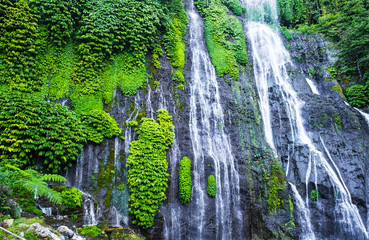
[209,141]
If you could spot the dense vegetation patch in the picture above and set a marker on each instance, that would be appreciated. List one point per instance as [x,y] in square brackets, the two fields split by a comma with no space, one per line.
[18,47]
[357,95]
[99,124]
[35,131]
[23,187]
[185,182]
[173,39]
[342,22]
[212,186]
[92,231]
[224,36]
[147,167]
[71,197]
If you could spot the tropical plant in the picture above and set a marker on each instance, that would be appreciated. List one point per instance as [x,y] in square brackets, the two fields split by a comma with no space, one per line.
[212,186]
[92,231]
[34,131]
[185,182]
[36,183]
[357,96]
[147,167]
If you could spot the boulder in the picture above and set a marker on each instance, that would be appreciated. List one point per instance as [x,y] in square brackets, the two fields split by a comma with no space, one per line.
[64,230]
[43,232]
[9,222]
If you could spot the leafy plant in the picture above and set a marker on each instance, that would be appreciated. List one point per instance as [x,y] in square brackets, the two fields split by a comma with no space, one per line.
[224,36]
[212,186]
[71,198]
[185,182]
[314,195]
[147,167]
[18,47]
[92,231]
[36,183]
[357,96]
[32,130]
[99,124]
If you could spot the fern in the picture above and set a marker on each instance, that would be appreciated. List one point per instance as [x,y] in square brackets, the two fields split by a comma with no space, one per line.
[36,183]
[53,178]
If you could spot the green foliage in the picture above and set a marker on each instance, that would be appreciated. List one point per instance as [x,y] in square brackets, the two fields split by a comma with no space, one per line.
[357,96]
[19,47]
[286,33]
[147,167]
[35,182]
[344,22]
[224,36]
[4,195]
[58,17]
[235,6]
[212,186]
[185,182]
[33,130]
[71,198]
[132,74]
[314,195]
[92,231]
[173,38]
[99,124]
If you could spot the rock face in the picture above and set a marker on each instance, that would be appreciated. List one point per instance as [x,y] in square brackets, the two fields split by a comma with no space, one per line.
[268,206]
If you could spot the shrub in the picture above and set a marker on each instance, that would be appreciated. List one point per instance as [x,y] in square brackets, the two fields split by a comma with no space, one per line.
[212,186]
[71,198]
[100,124]
[185,182]
[92,231]
[33,130]
[147,167]
[357,96]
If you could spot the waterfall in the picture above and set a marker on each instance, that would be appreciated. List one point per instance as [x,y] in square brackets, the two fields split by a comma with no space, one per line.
[271,60]
[365,115]
[210,143]
[172,224]
[312,86]
[304,216]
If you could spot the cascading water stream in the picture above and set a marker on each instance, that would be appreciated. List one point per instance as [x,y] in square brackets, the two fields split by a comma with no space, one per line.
[270,62]
[209,141]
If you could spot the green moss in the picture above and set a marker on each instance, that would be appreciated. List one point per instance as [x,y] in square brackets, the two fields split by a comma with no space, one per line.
[338,121]
[147,167]
[127,72]
[275,186]
[185,182]
[212,186]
